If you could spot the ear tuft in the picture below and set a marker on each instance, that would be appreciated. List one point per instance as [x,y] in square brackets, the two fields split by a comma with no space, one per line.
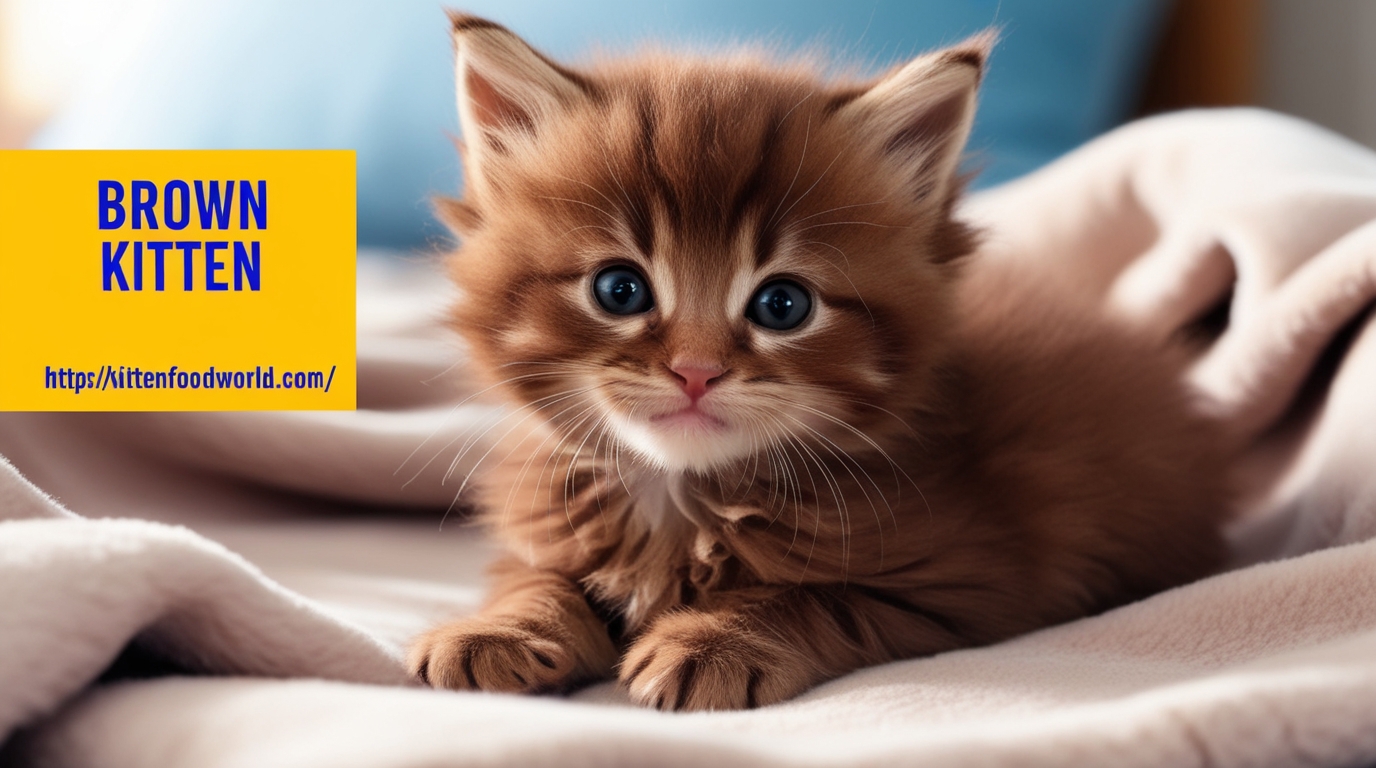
[973,51]
[921,113]
[463,22]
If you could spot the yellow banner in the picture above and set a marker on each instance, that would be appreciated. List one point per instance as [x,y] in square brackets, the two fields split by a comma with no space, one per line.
[177,280]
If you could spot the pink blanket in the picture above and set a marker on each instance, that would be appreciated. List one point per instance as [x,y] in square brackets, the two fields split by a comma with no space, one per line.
[1248,237]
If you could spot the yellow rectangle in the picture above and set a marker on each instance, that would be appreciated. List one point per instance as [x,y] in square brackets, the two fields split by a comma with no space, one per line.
[135,280]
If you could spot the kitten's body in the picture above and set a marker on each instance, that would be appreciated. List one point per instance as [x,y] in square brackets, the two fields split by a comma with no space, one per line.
[941,455]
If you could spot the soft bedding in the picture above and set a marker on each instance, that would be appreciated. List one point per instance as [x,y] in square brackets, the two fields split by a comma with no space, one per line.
[217,589]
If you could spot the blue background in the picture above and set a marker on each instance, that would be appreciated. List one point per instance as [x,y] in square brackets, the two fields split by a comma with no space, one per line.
[376,76]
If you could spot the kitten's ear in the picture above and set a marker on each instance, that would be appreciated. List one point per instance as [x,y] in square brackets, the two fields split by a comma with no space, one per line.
[504,85]
[921,113]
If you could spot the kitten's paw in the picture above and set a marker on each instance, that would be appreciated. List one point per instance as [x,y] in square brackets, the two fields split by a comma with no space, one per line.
[693,661]
[492,654]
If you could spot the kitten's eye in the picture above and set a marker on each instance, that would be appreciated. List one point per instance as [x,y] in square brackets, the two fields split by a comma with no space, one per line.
[781,305]
[622,291]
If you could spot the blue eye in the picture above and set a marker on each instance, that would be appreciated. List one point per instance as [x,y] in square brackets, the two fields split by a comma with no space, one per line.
[622,291]
[780,306]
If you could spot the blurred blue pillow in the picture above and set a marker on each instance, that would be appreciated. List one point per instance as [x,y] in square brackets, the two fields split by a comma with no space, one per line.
[376,75]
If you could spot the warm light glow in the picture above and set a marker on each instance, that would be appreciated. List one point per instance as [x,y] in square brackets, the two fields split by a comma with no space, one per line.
[48,46]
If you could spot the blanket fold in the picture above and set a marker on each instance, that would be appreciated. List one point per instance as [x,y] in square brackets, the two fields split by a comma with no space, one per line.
[1246,238]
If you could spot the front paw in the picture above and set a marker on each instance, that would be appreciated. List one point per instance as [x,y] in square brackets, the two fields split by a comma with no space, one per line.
[493,654]
[694,661]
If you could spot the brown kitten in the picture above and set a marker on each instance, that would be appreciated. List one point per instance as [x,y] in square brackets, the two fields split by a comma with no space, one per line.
[775,421]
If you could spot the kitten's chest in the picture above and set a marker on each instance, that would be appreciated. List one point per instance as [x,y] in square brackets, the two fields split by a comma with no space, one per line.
[670,553]
[640,544]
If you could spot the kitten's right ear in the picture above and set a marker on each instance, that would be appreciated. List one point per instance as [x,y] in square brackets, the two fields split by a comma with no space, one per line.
[922,112]
[504,85]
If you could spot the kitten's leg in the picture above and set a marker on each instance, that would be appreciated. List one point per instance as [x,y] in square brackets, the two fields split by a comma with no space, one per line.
[536,633]
[756,647]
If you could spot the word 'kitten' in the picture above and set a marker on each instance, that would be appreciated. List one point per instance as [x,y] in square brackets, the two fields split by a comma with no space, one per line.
[776,421]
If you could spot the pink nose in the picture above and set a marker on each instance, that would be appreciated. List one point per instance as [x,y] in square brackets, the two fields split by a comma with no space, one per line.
[695,380]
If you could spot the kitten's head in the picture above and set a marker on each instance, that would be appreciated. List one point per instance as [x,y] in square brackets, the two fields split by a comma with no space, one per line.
[704,260]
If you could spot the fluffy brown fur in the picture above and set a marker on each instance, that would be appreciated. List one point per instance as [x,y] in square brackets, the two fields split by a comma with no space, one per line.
[941,455]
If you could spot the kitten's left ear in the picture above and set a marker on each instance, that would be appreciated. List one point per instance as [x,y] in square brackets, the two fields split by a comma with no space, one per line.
[504,86]
[922,112]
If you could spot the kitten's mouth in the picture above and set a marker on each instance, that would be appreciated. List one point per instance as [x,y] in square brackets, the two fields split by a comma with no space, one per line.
[689,437]
[689,418]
